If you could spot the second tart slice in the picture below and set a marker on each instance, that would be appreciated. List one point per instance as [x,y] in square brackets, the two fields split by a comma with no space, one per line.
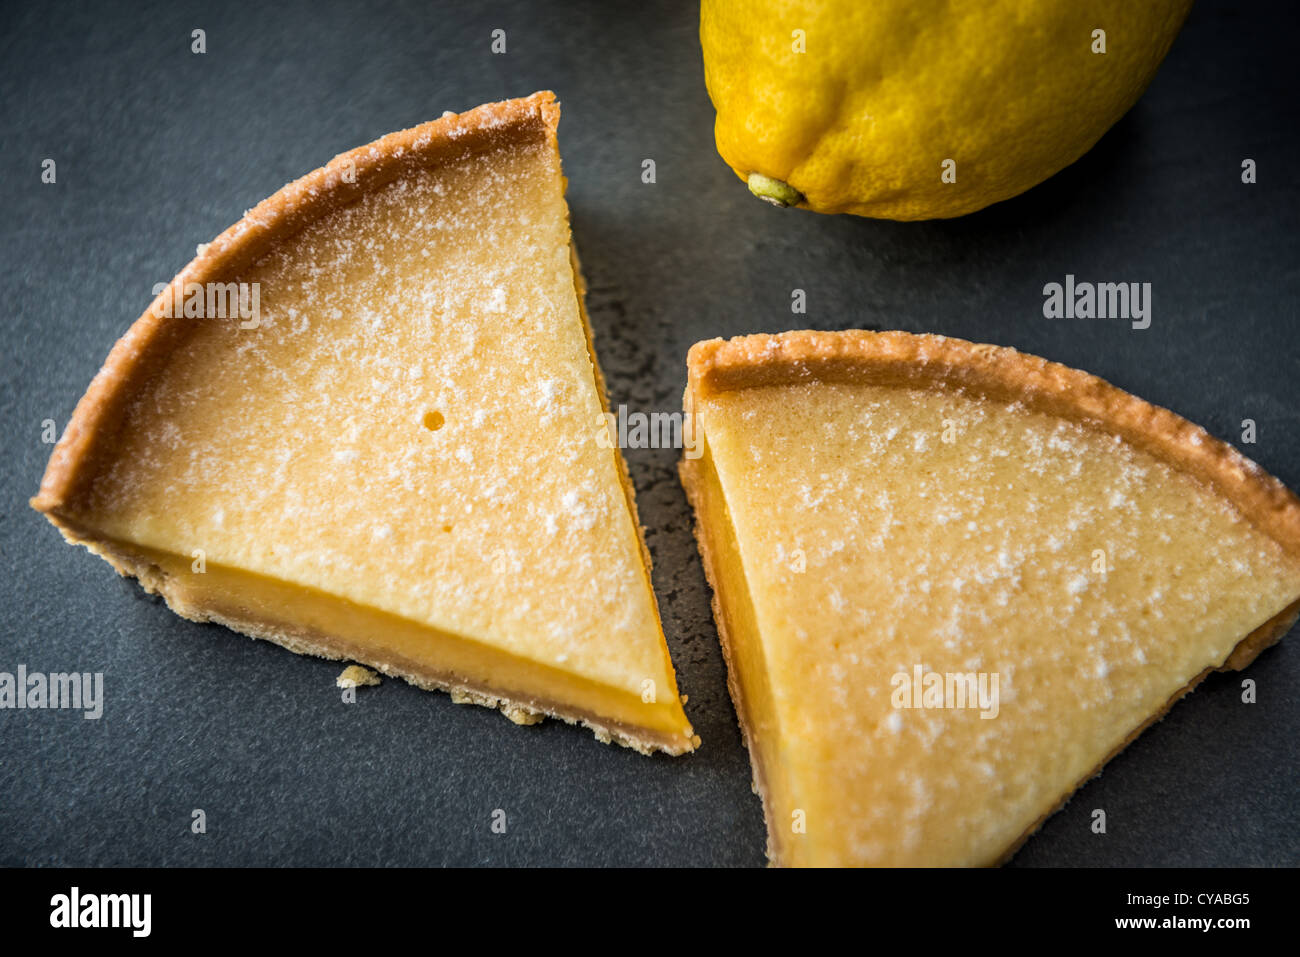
[952,580]
[394,460]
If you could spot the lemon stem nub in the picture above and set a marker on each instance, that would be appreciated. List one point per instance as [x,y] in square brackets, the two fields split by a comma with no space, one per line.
[774,191]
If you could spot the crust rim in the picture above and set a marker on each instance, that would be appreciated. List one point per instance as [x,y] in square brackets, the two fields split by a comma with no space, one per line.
[717,366]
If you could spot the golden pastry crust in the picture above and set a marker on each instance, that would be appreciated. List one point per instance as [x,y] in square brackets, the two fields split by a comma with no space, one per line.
[356,676]
[92,436]
[930,361]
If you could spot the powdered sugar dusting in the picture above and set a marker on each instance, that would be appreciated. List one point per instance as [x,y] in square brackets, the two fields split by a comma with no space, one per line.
[963,535]
[411,425]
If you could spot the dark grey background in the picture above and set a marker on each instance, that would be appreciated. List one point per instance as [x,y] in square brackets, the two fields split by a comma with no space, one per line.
[159,149]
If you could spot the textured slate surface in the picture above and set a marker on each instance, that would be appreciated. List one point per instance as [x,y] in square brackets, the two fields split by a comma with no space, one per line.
[159,149]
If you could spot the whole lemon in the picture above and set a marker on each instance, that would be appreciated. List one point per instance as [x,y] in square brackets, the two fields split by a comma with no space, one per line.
[921,109]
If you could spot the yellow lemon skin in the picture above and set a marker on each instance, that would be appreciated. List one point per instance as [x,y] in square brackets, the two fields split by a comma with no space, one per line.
[863,106]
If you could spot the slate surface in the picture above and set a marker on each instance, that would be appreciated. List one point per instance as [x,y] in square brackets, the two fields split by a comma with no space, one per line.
[158,149]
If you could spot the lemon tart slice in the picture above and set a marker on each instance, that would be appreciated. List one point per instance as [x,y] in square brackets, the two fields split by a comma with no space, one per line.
[361,424]
[951,580]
